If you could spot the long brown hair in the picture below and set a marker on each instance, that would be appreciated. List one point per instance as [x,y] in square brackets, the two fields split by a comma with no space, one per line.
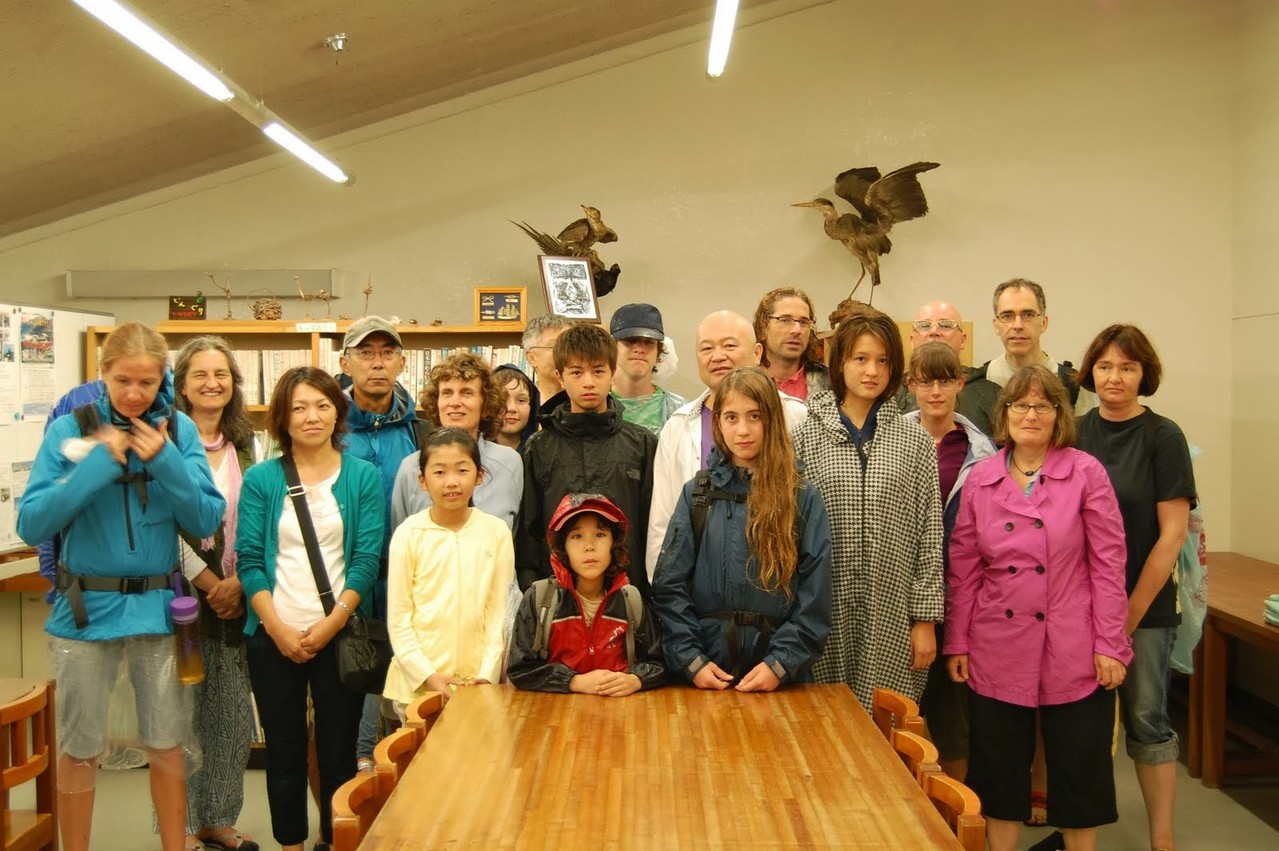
[234,422]
[770,507]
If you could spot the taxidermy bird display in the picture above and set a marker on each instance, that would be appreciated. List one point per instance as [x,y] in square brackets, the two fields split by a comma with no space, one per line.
[881,202]
[577,240]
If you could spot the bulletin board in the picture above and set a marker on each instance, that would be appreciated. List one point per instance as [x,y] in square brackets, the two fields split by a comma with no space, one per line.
[41,358]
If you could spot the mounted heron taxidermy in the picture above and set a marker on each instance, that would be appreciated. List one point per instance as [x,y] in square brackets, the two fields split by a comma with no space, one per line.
[881,202]
[578,239]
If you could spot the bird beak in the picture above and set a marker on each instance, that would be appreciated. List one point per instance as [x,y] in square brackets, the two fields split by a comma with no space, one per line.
[806,204]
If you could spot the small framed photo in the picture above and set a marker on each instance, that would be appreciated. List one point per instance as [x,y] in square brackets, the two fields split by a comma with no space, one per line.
[569,287]
[500,305]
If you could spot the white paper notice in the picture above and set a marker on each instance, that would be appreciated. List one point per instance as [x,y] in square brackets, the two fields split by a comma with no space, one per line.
[37,387]
[10,411]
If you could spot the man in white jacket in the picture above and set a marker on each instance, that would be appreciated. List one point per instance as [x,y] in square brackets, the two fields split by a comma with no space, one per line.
[725,341]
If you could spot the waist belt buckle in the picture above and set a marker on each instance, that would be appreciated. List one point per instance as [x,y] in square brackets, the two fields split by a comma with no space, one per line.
[133,585]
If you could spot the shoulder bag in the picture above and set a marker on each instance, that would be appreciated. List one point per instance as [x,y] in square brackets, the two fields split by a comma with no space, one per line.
[363,646]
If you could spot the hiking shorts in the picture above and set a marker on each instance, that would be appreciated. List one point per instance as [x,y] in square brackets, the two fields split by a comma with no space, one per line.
[86,673]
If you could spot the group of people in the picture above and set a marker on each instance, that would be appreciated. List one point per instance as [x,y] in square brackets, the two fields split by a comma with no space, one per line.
[838,519]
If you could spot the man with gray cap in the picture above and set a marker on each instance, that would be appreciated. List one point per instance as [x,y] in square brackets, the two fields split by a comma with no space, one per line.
[637,331]
[382,429]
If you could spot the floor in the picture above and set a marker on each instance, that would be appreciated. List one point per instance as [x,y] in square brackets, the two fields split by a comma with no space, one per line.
[1244,816]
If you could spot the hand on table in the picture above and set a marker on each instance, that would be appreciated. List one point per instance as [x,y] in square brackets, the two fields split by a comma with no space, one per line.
[760,678]
[712,676]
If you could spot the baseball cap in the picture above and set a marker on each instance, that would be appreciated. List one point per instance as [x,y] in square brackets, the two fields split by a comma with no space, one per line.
[574,504]
[367,325]
[636,320]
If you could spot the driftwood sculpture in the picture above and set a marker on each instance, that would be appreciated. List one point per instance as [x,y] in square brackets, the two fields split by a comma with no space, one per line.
[226,288]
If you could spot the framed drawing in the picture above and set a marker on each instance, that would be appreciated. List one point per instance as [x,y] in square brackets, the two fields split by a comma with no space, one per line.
[569,287]
[497,306]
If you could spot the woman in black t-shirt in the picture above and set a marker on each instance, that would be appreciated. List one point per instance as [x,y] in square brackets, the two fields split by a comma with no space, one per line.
[1149,465]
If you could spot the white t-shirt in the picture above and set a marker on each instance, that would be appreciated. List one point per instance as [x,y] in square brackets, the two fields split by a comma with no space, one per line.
[297,600]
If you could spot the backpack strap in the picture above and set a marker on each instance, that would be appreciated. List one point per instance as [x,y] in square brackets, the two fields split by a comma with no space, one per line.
[87,418]
[704,493]
[546,601]
[634,614]
[1070,380]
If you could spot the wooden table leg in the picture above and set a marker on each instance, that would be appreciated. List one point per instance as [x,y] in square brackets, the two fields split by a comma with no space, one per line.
[1194,726]
[1214,704]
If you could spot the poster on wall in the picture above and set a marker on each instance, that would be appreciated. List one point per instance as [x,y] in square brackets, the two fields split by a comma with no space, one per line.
[9,408]
[13,482]
[36,385]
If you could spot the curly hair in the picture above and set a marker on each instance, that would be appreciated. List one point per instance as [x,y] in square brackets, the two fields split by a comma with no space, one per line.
[813,352]
[234,422]
[619,556]
[775,483]
[464,366]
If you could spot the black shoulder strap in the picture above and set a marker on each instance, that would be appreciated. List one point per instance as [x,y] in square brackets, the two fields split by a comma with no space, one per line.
[421,431]
[86,417]
[546,602]
[1070,378]
[298,493]
[634,614]
[704,493]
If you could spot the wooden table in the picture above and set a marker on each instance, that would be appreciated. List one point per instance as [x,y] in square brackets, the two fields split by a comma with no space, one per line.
[1237,589]
[672,768]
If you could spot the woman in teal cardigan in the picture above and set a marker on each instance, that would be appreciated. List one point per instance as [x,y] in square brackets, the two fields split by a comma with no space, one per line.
[289,635]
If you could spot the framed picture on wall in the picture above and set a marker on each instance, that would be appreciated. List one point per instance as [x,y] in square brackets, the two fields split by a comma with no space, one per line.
[497,306]
[569,287]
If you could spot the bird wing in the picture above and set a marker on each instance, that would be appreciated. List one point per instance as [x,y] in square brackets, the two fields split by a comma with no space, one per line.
[545,241]
[852,186]
[578,231]
[897,196]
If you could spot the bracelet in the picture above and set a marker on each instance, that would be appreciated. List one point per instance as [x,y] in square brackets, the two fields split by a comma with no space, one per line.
[342,603]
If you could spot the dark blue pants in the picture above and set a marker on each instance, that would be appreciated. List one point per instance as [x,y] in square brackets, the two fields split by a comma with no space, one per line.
[280,689]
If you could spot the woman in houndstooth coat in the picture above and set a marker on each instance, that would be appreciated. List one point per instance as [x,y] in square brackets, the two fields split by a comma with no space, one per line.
[877,474]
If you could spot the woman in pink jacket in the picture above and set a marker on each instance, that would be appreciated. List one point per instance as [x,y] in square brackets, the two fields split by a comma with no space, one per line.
[1036,608]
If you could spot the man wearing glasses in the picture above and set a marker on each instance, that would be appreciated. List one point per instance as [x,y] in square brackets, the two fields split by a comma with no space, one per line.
[936,322]
[539,344]
[792,352]
[1021,318]
[382,429]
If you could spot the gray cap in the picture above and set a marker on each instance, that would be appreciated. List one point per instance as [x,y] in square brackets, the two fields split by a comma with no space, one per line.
[636,320]
[367,325]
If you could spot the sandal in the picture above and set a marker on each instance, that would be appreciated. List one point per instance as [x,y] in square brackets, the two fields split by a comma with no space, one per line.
[230,841]
[1038,809]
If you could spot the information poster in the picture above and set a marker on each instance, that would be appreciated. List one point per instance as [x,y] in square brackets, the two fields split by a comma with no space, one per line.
[10,410]
[37,386]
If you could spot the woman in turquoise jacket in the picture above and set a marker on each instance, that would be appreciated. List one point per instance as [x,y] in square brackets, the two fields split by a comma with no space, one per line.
[289,635]
[119,492]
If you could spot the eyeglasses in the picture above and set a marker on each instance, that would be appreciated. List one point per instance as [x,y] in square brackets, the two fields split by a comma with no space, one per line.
[923,326]
[801,322]
[535,348]
[1008,317]
[929,384]
[371,355]
[1041,408]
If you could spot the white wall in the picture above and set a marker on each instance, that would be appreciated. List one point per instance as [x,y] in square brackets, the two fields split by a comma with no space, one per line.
[1087,146]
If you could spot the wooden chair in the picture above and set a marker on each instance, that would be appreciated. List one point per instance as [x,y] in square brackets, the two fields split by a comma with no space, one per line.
[893,710]
[960,807]
[392,756]
[28,751]
[919,755]
[421,714]
[355,804]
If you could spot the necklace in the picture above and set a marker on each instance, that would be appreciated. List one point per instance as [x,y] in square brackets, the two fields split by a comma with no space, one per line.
[1027,473]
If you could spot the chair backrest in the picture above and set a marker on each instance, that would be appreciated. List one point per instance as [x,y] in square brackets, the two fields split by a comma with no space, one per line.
[919,755]
[421,714]
[893,710]
[960,807]
[392,756]
[355,804]
[28,751]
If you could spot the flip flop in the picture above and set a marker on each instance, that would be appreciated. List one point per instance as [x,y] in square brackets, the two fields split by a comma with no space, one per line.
[1038,810]
[230,842]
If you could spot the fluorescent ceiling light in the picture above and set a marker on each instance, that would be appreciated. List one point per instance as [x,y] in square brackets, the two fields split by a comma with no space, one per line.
[129,25]
[295,145]
[721,36]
